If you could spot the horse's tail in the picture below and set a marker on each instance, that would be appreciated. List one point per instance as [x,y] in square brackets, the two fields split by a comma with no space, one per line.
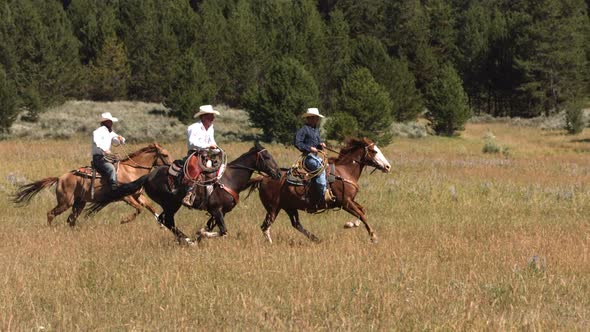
[25,192]
[123,190]
[253,184]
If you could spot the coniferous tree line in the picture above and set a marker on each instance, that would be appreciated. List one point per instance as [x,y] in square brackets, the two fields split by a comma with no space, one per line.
[365,63]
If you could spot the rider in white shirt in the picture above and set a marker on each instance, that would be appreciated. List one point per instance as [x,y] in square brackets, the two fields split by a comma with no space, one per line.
[200,136]
[102,139]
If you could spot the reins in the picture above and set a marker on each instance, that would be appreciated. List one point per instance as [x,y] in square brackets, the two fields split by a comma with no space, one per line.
[137,165]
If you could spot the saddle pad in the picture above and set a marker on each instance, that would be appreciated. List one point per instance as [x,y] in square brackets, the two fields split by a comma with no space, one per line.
[294,179]
[86,171]
[298,181]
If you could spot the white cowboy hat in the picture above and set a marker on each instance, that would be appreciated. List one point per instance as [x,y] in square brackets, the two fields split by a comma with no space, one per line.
[312,112]
[107,116]
[206,109]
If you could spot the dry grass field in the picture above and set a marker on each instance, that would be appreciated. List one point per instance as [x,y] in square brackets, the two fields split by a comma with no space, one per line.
[468,241]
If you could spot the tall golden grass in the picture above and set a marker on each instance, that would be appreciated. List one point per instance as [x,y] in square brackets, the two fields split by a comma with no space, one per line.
[468,241]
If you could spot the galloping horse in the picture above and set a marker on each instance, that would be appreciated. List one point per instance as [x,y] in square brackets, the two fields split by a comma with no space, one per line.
[279,194]
[224,197]
[73,189]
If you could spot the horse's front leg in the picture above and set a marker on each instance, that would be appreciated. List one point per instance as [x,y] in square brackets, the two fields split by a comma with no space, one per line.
[207,232]
[216,216]
[358,211]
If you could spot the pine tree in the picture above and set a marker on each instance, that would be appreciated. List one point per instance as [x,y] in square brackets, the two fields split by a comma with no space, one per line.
[447,102]
[8,102]
[191,87]
[276,105]
[93,23]
[365,17]
[213,45]
[553,55]
[245,62]
[154,33]
[47,68]
[443,36]
[394,75]
[339,54]
[369,103]
[110,74]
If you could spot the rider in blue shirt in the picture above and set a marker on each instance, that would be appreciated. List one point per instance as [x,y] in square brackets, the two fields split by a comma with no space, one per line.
[308,141]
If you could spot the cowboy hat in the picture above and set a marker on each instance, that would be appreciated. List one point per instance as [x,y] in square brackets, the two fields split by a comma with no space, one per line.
[206,109]
[312,112]
[107,117]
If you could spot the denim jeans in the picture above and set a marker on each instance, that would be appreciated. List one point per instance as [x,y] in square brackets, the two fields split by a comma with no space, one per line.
[105,168]
[312,163]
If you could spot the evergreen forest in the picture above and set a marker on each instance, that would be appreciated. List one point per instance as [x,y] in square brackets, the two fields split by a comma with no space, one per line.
[364,63]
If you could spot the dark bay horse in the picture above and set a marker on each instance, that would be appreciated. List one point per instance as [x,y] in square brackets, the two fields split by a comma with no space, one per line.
[73,189]
[224,197]
[279,194]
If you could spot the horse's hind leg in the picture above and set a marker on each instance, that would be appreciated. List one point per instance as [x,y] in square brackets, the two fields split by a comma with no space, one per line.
[268,221]
[132,200]
[63,203]
[294,216]
[76,210]
[146,204]
[358,211]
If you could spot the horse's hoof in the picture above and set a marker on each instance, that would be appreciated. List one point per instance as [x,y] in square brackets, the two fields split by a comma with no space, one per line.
[374,240]
[352,224]
[186,241]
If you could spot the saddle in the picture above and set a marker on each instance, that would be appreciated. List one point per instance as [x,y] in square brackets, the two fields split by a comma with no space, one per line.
[200,170]
[297,177]
[90,172]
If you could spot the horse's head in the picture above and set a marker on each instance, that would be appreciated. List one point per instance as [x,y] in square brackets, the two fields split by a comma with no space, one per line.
[374,157]
[161,155]
[265,162]
[371,156]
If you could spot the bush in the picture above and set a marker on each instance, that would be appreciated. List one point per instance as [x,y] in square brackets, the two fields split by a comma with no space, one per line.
[340,126]
[447,102]
[368,102]
[275,106]
[574,118]
[191,89]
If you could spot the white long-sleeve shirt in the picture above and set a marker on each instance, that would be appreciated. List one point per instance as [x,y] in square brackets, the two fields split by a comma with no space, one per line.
[199,137]
[102,140]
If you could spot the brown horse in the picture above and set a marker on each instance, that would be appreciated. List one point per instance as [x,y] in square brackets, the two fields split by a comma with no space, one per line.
[279,194]
[224,197]
[73,188]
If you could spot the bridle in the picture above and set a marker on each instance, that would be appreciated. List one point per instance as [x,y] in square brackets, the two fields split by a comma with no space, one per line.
[364,160]
[259,157]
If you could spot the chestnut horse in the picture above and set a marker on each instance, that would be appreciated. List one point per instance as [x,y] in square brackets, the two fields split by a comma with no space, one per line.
[279,194]
[223,198]
[73,188]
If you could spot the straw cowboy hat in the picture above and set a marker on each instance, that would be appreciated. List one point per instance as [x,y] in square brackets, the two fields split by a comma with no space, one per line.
[206,109]
[312,112]
[107,117]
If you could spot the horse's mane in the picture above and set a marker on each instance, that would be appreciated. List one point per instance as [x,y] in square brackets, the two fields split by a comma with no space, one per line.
[253,149]
[150,148]
[351,144]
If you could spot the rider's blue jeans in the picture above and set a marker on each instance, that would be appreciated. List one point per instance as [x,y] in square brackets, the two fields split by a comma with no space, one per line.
[312,163]
[105,168]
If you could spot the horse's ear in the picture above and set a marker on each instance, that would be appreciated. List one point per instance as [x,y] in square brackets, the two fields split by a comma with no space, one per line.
[257,145]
